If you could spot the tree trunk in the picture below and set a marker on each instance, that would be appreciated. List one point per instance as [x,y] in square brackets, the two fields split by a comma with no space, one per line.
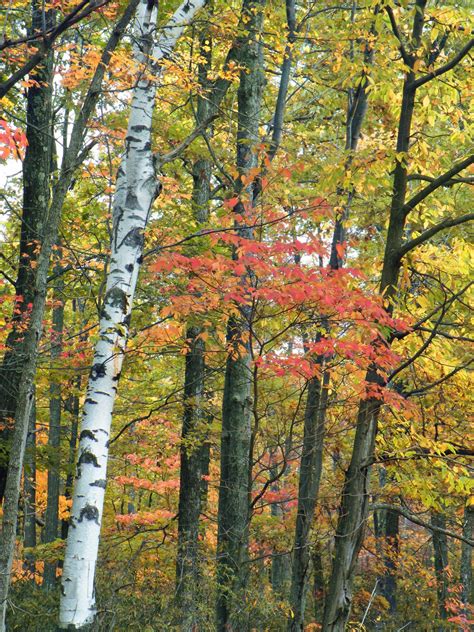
[194,451]
[50,532]
[36,172]
[466,561]
[33,332]
[313,437]
[310,475]
[136,189]
[390,547]
[354,500]
[29,492]
[440,554]
[233,511]
[319,585]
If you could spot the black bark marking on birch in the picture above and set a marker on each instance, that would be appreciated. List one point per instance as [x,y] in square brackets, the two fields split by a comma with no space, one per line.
[129,267]
[100,482]
[116,297]
[116,378]
[88,400]
[139,128]
[88,458]
[89,512]
[103,393]
[134,238]
[87,434]
[97,371]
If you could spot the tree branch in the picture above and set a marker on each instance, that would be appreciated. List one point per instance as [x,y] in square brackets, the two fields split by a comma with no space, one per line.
[443,69]
[396,31]
[427,234]
[48,40]
[413,518]
[436,183]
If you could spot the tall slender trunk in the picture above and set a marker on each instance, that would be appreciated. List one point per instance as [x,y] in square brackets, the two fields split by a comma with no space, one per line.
[194,451]
[316,405]
[310,475]
[50,532]
[36,183]
[466,561]
[390,532]
[136,189]
[440,555]
[319,582]
[33,332]
[233,511]
[354,500]
[29,493]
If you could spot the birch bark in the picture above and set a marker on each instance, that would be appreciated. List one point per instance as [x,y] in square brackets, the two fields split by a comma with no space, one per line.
[136,189]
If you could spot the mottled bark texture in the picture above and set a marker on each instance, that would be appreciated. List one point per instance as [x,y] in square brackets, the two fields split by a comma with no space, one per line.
[194,451]
[310,474]
[50,532]
[137,187]
[17,372]
[233,511]
[440,558]
[32,334]
[36,185]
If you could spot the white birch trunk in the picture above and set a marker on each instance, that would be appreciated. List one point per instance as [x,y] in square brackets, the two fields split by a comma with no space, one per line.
[137,187]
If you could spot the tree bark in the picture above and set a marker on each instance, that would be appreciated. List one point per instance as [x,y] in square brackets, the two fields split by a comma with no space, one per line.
[36,182]
[315,414]
[233,510]
[33,332]
[29,492]
[310,475]
[136,189]
[194,450]
[50,532]
[466,561]
[440,554]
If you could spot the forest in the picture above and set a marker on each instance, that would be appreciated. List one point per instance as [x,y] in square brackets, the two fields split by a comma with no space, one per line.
[235,324]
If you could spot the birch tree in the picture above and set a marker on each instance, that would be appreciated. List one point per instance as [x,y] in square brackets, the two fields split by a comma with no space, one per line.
[137,187]
[72,157]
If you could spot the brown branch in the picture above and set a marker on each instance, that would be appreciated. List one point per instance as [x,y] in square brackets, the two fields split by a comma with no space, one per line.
[448,222]
[396,31]
[443,69]
[413,518]
[436,183]
[48,40]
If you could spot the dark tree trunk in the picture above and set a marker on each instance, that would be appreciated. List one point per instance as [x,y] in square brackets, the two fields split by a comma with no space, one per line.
[310,475]
[194,454]
[440,554]
[36,182]
[29,491]
[390,547]
[54,437]
[319,583]
[233,511]
[354,501]
[466,561]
